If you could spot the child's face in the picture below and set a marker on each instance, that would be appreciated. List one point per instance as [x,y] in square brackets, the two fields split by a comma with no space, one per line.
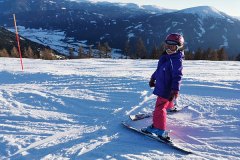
[170,49]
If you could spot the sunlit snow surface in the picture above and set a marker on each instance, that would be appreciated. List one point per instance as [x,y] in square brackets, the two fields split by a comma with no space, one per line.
[72,109]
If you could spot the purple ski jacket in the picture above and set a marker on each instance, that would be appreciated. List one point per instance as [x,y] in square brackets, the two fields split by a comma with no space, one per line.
[168,74]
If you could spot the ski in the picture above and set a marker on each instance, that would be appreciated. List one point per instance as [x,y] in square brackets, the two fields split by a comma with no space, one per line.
[167,142]
[135,117]
[147,115]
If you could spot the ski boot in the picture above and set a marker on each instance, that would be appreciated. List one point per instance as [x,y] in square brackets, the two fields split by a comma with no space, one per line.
[173,106]
[162,134]
[172,110]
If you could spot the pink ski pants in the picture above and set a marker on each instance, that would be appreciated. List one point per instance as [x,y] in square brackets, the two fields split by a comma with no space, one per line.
[160,113]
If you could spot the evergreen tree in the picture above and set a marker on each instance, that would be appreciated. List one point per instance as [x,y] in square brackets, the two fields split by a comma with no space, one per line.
[207,54]
[4,53]
[222,55]
[237,57]
[80,52]
[214,56]
[47,54]
[100,50]
[107,50]
[127,49]
[24,53]
[198,54]
[71,53]
[90,52]
[141,50]
[154,53]
[14,52]
[104,50]
[161,49]
[157,52]
[28,52]
[189,55]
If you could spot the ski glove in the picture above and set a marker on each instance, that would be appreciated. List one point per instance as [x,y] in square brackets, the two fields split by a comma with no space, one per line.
[173,95]
[152,83]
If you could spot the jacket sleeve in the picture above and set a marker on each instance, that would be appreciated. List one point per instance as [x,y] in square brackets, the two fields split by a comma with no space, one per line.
[154,75]
[161,60]
[176,73]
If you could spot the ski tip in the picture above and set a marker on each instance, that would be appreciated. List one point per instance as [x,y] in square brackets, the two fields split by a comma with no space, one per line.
[140,116]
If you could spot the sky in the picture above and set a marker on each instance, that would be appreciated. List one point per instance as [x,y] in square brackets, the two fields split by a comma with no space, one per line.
[230,7]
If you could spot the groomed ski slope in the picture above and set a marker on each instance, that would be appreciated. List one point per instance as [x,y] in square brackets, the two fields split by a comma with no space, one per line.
[72,109]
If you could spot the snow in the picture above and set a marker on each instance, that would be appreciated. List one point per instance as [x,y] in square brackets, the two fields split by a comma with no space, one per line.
[93,22]
[201,27]
[52,2]
[58,41]
[204,11]
[72,109]
[167,30]
[138,26]
[56,38]
[230,21]
[225,41]
[174,24]
[131,35]
[212,27]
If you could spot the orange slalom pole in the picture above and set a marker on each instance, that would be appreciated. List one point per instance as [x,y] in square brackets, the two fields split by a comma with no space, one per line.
[17,37]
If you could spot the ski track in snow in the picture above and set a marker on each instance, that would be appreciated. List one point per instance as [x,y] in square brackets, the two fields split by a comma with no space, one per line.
[72,109]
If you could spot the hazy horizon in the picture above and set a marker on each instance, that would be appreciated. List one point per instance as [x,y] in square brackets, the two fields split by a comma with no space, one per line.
[230,8]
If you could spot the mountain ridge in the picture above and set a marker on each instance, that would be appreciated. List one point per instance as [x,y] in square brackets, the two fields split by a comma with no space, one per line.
[204,11]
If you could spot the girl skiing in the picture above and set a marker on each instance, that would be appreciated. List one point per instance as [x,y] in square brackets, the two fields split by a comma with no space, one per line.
[166,80]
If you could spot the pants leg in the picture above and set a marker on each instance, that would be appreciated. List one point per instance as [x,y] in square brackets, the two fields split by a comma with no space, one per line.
[160,113]
[170,105]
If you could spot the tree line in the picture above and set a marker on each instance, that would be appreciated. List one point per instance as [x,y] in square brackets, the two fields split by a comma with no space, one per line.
[103,50]
[132,51]
[140,51]
[28,52]
[208,54]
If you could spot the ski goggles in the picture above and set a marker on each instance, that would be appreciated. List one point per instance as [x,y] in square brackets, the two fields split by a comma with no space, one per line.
[171,47]
[170,42]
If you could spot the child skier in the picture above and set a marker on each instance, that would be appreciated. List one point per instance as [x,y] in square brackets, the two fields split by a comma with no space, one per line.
[166,80]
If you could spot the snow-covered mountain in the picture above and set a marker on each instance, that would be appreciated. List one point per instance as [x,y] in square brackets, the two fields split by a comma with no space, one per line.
[117,23]
[238,18]
[204,12]
[72,110]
